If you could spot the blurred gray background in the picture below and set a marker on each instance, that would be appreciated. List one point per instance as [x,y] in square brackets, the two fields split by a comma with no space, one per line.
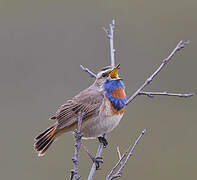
[42,44]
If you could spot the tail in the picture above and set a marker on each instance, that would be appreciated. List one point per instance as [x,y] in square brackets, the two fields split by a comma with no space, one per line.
[44,140]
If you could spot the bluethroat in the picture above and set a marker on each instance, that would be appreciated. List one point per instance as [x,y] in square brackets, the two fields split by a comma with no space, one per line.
[102,105]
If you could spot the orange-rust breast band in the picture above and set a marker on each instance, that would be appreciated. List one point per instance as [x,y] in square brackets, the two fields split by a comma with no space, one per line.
[115,112]
[118,93]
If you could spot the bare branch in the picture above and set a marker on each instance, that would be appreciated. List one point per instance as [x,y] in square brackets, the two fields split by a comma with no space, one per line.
[179,46]
[152,94]
[77,136]
[88,71]
[130,150]
[98,154]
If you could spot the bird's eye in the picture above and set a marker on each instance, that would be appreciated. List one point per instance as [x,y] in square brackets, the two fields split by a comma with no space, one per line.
[105,74]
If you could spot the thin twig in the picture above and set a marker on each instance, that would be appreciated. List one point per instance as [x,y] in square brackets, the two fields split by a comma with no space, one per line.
[88,71]
[130,150]
[98,154]
[119,154]
[111,40]
[152,94]
[179,46]
[85,149]
[117,164]
[77,137]
[110,36]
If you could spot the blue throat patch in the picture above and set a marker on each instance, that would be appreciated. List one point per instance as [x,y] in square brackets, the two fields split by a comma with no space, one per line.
[109,86]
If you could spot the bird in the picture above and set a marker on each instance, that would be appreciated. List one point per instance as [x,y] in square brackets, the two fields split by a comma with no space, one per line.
[102,104]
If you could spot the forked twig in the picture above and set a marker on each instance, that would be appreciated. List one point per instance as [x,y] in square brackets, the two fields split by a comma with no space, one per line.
[122,163]
[88,71]
[179,46]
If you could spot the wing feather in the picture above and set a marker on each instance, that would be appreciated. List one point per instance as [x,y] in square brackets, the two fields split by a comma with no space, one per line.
[87,101]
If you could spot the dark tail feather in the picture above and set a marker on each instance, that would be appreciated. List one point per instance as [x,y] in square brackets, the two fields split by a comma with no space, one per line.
[44,140]
[43,133]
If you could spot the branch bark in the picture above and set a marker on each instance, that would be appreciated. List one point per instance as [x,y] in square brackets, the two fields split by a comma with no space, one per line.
[77,139]
[152,94]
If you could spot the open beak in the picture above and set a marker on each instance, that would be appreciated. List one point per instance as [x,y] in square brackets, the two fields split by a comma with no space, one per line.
[114,73]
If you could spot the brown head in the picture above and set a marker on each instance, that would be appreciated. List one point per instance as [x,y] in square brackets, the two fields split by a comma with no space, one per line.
[106,72]
[102,75]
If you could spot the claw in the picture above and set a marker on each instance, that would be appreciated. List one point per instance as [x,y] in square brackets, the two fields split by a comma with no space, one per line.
[103,141]
[97,160]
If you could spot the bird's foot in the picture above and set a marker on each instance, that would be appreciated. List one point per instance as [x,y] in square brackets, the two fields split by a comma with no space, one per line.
[97,161]
[103,140]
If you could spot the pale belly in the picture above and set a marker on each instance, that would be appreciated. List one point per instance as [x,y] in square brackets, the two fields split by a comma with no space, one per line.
[97,127]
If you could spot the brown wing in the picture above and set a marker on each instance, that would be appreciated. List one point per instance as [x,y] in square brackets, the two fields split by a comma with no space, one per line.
[87,101]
